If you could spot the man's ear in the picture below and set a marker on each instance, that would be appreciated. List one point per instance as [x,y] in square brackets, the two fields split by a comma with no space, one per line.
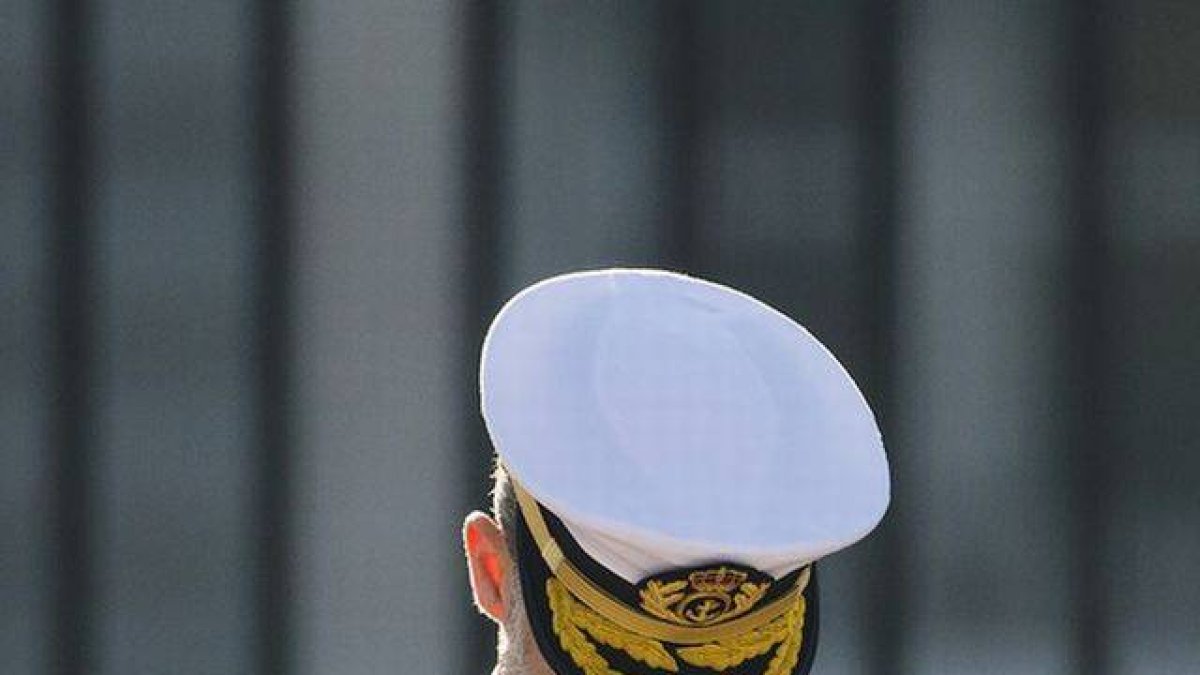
[488,563]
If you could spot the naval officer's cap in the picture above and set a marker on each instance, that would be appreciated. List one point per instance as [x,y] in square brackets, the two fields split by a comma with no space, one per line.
[682,454]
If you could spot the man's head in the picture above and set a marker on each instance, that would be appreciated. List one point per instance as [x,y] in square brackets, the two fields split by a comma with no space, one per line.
[680,456]
[491,561]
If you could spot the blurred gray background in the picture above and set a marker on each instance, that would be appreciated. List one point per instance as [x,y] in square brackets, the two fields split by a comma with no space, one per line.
[248,250]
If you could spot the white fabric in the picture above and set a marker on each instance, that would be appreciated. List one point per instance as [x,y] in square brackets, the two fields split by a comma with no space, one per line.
[670,421]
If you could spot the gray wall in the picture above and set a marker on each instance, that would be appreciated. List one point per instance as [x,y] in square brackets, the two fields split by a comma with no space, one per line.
[989,211]
[986,207]
[379,276]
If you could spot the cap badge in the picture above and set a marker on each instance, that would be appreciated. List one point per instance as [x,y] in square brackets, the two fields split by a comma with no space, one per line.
[702,597]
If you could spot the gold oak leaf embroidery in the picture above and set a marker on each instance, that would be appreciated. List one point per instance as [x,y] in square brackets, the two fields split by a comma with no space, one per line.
[571,619]
[658,598]
[748,596]
[582,652]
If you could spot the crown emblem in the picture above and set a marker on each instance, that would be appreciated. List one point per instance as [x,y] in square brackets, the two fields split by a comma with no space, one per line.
[702,597]
[720,580]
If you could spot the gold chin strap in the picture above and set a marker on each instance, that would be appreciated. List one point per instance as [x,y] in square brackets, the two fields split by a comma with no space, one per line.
[580,608]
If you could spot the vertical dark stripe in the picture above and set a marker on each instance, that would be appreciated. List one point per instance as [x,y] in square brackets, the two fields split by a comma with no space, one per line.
[484,162]
[680,57]
[1091,447]
[878,109]
[272,100]
[483,217]
[71,338]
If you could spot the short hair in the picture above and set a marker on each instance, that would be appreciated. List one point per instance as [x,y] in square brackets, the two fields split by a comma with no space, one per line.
[504,507]
[514,630]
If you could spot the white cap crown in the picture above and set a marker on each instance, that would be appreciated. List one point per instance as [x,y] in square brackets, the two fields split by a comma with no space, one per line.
[669,421]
